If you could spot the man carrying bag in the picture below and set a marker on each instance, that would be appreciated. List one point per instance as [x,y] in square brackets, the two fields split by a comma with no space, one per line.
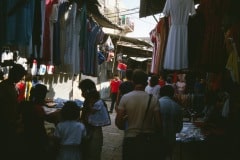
[138,114]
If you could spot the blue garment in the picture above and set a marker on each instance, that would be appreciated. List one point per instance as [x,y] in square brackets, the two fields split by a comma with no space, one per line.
[101,116]
[171,115]
[19,25]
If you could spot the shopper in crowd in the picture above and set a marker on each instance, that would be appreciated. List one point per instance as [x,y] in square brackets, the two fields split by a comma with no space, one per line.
[161,81]
[92,148]
[9,117]
[21,85]
[133,106]
[34,116]
[126,86]
[180,84]
[153,86]
[169,81]
[70,132]
[114,87]
[171,114]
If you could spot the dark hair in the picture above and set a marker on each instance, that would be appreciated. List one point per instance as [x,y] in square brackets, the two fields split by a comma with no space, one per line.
[87,85]
[70,111]
[167,90]
[169,79]
[16,73]
[89,89]
[129,74]
[140,77]
[38,93]
[154,80]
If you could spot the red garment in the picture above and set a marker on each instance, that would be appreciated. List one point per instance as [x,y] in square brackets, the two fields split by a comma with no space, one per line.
[21,91]
[122,66]
[46,34]
[158,37]
[161,83]
[114,85]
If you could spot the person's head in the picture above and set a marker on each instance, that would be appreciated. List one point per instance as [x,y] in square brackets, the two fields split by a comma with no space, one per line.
[153,80]
[16,73]
[115,77]
[169,80]
[129,74]
[88,88]
[70,111]
[38,93]
[167,90]
[140,77]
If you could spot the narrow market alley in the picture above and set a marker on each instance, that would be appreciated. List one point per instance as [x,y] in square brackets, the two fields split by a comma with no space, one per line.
[112,140]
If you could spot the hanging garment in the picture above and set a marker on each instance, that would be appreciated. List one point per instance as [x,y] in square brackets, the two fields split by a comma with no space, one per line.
[16,24]
[213,51]
[232,66]
[46,35]
[176,55]
[159,38]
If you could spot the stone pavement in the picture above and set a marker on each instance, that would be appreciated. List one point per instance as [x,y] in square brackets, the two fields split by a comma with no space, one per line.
[112,140]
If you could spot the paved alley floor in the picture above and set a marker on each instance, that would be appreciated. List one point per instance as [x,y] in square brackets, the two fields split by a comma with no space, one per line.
[112,140]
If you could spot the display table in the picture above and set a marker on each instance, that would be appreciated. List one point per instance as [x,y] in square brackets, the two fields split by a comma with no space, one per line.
[190,136]
[52,110]
[190,132]
[198,141]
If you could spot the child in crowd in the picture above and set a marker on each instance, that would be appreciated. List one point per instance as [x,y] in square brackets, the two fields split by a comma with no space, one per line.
[70,133]
[153,86]
[114,87]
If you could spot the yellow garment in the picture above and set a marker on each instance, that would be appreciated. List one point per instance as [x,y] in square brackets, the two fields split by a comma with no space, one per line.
[232,66]
[27,90]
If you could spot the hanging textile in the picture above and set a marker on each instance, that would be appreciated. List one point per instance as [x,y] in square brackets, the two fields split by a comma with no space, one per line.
[46,34]
[213,52]
[83,37]
[233,62]
[91,34]
[195,40]
[176,54]
[16,25]
[159,38]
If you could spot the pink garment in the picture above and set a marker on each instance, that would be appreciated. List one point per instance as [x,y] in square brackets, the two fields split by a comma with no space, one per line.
[110,56]
[159,37]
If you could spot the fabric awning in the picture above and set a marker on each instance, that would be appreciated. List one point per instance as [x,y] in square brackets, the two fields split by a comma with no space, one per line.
[93,10]
[133,47]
